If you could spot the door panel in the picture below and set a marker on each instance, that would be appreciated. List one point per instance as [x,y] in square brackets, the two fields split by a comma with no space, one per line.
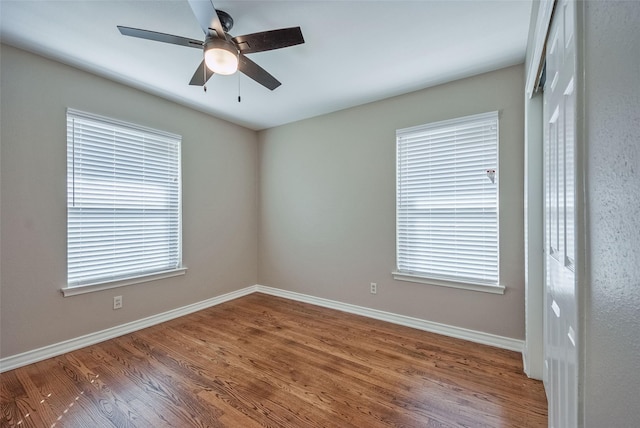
[561,325]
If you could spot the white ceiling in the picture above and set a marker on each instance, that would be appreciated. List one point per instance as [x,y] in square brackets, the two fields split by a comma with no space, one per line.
[355,51]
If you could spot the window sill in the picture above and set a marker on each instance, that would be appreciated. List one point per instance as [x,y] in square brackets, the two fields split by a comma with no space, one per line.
[100,286]
[494,289]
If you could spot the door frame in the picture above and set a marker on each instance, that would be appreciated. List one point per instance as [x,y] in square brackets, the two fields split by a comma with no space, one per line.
[533,355]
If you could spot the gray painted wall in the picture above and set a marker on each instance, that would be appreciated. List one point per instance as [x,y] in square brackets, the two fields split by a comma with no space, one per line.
[327,201]
[611,52]
[219,204]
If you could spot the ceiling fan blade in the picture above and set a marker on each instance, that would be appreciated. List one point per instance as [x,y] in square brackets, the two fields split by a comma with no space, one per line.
[269,40]
[199,78]
[160,37]
[207,17]
[257,73]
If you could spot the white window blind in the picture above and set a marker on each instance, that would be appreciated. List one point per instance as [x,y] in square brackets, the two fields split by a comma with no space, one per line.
[447,204]
[123,200]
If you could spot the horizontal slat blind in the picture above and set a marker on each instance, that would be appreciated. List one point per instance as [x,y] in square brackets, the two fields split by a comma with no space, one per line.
[447,206]
[123,200]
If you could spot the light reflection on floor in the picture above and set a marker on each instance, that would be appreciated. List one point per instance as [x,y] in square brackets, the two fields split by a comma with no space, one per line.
[64,412]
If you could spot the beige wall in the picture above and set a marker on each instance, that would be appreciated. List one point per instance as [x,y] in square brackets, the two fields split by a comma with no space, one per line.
[327,205]
[219,204]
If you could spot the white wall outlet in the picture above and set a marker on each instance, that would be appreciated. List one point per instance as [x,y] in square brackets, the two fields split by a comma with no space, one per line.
[374,288]
[117,302]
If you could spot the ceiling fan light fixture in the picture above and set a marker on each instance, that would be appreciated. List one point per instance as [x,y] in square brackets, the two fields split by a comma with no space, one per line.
[221,56]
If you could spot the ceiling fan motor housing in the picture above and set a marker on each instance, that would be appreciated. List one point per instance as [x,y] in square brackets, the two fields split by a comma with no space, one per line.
[226,20]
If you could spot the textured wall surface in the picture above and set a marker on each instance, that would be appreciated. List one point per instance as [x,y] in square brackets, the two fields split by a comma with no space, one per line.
[612,300]
[327,205]
[219,172]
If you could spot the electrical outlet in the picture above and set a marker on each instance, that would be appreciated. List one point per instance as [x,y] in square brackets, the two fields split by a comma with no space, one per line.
[117,302]
[374,288]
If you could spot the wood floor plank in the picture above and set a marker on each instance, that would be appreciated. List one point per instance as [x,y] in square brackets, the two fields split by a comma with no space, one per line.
[271,363]
[17,408]
[262,379]
[264,361]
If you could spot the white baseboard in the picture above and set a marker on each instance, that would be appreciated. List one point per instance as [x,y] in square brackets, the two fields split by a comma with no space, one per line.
[417,323]
[29,357]
[531,369]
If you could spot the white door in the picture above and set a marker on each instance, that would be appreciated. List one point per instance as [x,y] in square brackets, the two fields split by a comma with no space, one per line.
[561,323]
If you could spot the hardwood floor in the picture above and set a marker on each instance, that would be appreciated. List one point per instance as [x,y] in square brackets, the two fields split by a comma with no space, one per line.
[266,361]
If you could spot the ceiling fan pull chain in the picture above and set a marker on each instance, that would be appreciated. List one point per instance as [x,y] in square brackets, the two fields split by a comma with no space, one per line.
[239,98]
[204,75]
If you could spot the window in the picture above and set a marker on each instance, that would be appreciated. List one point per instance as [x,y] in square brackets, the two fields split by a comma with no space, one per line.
[447,203]
[123,201]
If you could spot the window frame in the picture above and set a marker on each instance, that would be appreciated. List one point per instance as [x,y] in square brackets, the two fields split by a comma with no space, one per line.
[142,136]
[424,277]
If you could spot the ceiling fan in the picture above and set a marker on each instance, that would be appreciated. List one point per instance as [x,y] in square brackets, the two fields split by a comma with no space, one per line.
[223,53]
